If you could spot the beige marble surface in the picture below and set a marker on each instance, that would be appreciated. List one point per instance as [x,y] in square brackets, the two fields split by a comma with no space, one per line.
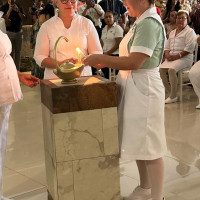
[97,178]
[81,153]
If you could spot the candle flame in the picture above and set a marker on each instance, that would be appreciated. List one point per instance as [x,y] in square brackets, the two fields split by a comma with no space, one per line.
[78,50]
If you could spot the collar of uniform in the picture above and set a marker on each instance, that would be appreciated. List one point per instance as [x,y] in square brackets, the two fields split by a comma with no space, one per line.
[58,18]
[114,24]
[148,13]
[185,29]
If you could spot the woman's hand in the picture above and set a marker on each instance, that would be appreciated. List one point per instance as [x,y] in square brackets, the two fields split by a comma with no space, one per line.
[173,57]
[72,60]
[28,79]
[93,60]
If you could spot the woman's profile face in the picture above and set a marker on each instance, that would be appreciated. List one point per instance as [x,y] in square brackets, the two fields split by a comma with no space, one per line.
[132,7]
[109,19]
[181,20]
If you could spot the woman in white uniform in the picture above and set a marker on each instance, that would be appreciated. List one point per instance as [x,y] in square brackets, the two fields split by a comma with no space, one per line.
[195,77]
[179,50]
[79,31]
[141,96]
[10,92]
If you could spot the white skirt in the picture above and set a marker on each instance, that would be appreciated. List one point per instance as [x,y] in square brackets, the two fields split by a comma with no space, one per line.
[141,114]
[177,65]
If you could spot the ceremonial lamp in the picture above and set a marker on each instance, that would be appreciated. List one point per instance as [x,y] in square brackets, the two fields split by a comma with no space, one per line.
[67,71]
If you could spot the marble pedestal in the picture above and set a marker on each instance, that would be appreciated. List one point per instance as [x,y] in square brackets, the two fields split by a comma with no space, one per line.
[81,139]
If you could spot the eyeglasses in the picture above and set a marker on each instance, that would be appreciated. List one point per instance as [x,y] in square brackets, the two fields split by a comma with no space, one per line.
[66,1]
[181,18]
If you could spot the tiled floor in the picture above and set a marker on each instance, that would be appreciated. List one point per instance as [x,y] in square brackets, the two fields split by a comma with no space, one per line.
[24,175]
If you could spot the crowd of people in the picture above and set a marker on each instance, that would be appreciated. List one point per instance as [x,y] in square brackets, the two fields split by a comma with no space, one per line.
[128,37]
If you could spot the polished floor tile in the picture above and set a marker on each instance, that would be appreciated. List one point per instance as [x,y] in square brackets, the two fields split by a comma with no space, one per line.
[24,174]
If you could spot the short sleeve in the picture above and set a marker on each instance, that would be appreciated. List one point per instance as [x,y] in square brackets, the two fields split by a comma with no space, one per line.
[147,35]
[118,31]
[190,41]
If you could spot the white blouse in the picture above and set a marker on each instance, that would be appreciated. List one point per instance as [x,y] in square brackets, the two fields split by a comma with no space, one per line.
[185,40]
[108,37]
[10,90]
[81,33]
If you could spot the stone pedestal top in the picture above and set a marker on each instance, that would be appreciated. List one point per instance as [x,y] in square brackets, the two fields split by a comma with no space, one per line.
[89,93]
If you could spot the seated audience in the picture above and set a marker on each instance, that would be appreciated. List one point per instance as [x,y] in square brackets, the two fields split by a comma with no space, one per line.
[179,50]
[170,6]
[112,35]
[172,23]
[195,77]
[185,6]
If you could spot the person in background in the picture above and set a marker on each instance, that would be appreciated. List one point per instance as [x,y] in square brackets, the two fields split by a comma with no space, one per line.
[179,50]
[170,6]
[141,96]
[13,15]
[112,35]
[38,5]
[116,6]
[129,24]
[194,75]
[79,31]
[172,23]
[10,92]
[94,11]
[45,14]
[185,6]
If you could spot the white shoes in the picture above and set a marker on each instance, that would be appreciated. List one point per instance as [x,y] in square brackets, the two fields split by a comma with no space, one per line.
[169,100]
[139,194]
[198,106]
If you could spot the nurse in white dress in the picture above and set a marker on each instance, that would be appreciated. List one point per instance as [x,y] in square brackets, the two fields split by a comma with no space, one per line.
[141,97]
[10,91]
[179,50]
[79,31]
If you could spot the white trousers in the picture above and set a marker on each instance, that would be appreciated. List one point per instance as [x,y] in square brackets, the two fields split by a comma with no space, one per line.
[4,117]
[195,78]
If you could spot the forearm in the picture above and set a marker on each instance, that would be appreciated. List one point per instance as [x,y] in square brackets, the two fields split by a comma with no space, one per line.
[22,16]
[124,19]
[7,14]
[183,53]
[166,53]
[133,62]
[99,11]
[49,63]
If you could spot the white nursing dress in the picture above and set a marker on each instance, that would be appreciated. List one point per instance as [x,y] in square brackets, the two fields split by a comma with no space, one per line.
[141,93]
